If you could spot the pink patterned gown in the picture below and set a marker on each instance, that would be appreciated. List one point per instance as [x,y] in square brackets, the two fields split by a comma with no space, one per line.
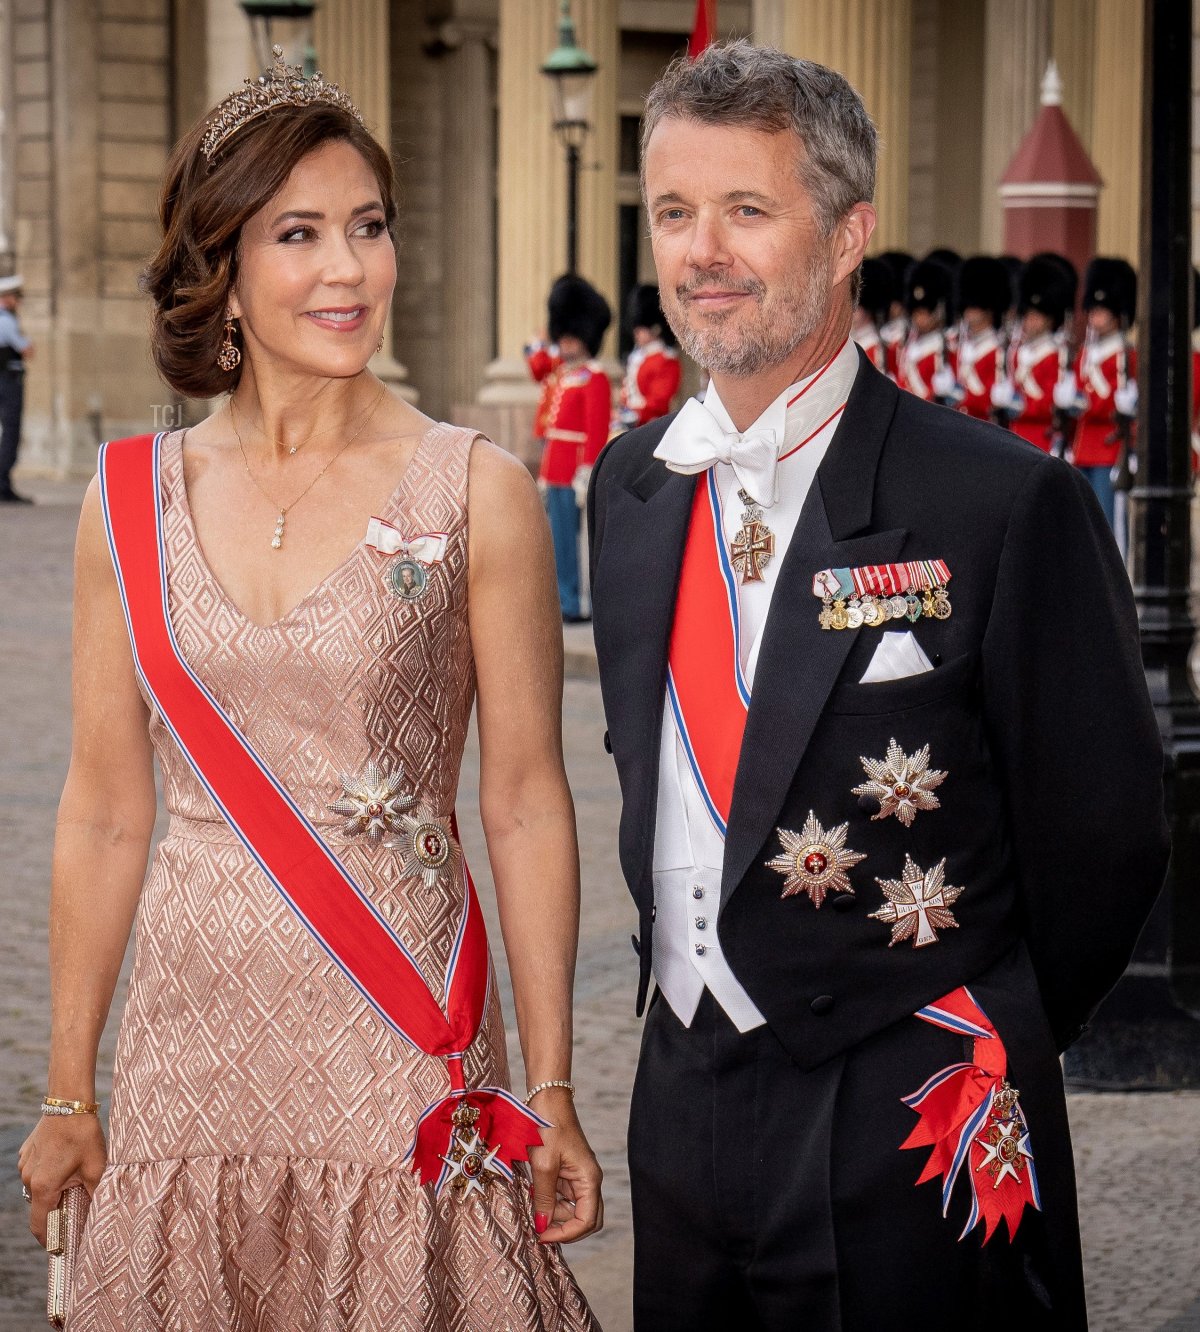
[260,1108]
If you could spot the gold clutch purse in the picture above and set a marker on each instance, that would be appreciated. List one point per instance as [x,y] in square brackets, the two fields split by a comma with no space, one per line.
[64,1229]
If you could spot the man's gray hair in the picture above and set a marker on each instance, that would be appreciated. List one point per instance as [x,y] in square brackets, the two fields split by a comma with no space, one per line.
[737,83]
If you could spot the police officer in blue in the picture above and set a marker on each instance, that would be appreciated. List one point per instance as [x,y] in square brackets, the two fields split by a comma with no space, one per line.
[15,348]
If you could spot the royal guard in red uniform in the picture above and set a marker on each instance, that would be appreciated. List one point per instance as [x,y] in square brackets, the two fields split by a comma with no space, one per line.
[923,368]
[1102,390]
[572,419]
[893,330]
[983,298]
[1024,399]
[875,293]
[1010,325]
[652,372]
[952,262]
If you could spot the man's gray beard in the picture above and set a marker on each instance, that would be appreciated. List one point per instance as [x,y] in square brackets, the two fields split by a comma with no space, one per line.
[776,334]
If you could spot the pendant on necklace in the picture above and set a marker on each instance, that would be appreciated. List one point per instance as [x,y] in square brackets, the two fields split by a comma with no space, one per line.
[754,545]
[277,539]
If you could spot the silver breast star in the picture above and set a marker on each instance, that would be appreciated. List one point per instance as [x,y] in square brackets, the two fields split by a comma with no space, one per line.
[373,803]
[902,783]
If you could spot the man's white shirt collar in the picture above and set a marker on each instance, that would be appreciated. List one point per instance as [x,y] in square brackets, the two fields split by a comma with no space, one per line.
[813,399]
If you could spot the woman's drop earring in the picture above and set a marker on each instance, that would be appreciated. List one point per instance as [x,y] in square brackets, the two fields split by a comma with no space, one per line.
[229,357]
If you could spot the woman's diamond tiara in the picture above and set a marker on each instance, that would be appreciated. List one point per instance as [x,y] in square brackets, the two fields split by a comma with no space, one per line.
[282,85]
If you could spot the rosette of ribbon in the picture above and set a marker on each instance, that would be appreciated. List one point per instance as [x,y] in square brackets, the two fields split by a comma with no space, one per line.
[972,1119]
[424,547]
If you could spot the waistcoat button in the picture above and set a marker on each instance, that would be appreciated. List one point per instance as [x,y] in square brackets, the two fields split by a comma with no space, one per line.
[822,1004]
[701,922]
[700,950]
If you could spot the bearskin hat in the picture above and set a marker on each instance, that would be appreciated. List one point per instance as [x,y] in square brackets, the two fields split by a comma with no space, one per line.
[927,286]
[1012,266]
[1048,284]
[575,307]
[948,258]
[643,310]
[899,261]
[983,283]
[1111,284]
[877,290]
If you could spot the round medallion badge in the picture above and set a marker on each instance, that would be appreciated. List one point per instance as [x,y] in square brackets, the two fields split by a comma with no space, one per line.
[408,578]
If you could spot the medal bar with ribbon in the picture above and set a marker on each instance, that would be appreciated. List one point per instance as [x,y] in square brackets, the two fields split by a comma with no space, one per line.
[467,1134]
[971,1117]
[876,593]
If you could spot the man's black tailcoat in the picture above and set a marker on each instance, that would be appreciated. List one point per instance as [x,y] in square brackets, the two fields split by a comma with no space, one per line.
[1051,816]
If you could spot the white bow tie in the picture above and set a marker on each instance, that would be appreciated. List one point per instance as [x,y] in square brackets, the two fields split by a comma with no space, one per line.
[696,441]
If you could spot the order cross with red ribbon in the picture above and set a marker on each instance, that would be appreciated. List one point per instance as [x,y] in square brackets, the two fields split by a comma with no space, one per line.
[972,1119]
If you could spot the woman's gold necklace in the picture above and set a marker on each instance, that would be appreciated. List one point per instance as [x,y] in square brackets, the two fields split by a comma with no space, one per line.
[281,520]
[293,449]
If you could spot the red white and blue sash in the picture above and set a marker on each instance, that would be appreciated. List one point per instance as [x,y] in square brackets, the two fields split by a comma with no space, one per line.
[971,1118]
[708,692]
[706,686]
[289,849]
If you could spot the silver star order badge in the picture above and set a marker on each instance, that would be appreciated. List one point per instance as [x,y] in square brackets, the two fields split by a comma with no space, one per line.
[427,846]
[470,1159]
[815,861]
[918,904]
[372,803]
[1006,1140]
[902,783]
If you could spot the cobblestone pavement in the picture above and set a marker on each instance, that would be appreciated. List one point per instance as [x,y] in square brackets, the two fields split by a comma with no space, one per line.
[1139,1190]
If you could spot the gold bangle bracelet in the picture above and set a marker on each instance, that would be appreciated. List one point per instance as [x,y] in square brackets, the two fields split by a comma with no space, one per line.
[54,1105]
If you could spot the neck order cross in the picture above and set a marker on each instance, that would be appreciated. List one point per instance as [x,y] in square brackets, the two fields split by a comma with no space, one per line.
[754,546]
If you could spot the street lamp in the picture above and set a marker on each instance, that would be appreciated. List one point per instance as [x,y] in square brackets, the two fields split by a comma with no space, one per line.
[286,23]
[570,71]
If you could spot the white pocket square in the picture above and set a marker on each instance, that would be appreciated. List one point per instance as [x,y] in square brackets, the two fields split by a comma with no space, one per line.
[898,656]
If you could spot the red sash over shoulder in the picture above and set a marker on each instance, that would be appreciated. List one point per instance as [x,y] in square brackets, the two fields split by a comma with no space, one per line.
[289,849]
[708,692]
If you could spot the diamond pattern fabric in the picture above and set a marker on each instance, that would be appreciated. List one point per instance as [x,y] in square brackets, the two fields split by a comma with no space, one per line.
[260,1109]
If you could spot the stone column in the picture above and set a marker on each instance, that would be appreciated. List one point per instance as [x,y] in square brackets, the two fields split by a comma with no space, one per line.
[531,199]
[228,49]
[468,185]
[352,44]
[1017,48]
[870,42]
[1072,43]
[531,240]
[91,126]
[6,136]
[599,34]
[1116,125]
[768,20]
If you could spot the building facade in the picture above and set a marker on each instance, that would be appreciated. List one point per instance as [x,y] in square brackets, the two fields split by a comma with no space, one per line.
[94,92]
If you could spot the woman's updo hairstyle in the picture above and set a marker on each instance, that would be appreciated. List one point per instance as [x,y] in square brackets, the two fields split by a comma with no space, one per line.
[203,208]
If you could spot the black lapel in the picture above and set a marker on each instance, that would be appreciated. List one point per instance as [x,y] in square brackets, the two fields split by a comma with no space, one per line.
[799,662]
[645,530]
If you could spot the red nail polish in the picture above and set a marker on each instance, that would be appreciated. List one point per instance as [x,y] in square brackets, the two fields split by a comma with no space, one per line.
[540,1221]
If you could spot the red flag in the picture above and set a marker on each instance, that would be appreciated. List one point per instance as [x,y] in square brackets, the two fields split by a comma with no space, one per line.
[703,27]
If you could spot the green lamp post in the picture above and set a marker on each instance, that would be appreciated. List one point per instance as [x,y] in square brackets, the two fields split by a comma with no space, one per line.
[570,70]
